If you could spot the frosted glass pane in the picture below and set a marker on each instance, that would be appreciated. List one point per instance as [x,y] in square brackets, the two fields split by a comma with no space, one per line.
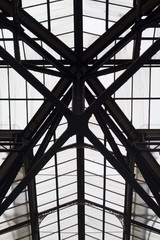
[94,8]
[59,26]
[61,8]
[122,2]
[126,52]
[39,12]
[66,167]
[4,82]
[140,114]
[94,168]
[141,83]
[94,26]
[116,12]
[68,191]
[17,85]
[4,115]
[18,114]
[155,116]
[155,83]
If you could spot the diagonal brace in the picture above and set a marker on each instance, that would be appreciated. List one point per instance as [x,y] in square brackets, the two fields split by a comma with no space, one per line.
[34,82]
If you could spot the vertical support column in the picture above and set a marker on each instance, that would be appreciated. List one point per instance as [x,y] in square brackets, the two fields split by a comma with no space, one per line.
[32,200]
[128,202]
[78,27]
[137,42]
[57,193]
[104,192]
[78,108]
[48,15]
[78,96]
[80,186]
[140,211]
[15,34]
[107,13]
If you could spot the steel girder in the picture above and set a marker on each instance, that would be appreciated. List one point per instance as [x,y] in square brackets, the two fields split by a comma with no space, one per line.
[32,194]
[116,30]
[40,31]
[105,99]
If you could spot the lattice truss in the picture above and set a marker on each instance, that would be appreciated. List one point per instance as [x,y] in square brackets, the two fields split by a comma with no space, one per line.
[79,122]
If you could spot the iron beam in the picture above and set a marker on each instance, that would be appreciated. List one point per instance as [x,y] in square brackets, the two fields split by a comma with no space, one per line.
[45,71]
[8,169]
[145,170]
[128,199]
[118,213]
[110,63]
[9,135]
[14,227]
[78,96]
[41,215]
[41,32]
[80,188]
[78,108]
[110,139]
[123,172]
[34,171]
[33,81]
[116,30]
[36,47]
[108,121]
[15,34]
[48,15]
[57,192]
[32,195]
[150,134]
[125,76]
[135,31]
[121,80]
[104,191]
[78,27]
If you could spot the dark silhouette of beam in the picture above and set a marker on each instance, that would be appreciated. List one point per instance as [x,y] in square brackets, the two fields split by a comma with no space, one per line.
[40,31]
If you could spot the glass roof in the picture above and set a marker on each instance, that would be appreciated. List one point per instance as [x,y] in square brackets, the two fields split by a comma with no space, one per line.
[79,120]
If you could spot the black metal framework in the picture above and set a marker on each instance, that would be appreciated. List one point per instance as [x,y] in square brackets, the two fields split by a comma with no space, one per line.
[79,101]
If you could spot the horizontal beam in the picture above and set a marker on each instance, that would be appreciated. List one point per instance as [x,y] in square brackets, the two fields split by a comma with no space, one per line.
[110,63]
[9,135]
[150,134]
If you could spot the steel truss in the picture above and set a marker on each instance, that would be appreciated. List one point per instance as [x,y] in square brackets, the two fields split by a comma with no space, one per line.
[79,72]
